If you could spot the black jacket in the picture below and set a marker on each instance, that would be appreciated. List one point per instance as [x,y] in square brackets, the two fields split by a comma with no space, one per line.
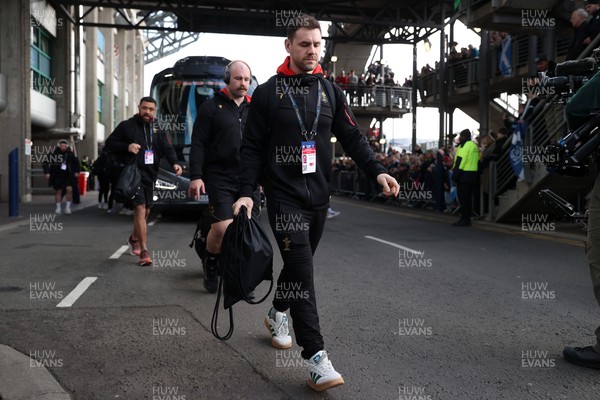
[216,139]
[271,145]
[593,26]
[54,164]
[577,45]
[134,130]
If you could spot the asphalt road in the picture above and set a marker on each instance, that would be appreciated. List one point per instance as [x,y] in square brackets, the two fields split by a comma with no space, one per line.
[410,308]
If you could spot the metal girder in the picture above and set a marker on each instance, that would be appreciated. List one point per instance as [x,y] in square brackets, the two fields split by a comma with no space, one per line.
[161,43]
[170,25]
[214,14]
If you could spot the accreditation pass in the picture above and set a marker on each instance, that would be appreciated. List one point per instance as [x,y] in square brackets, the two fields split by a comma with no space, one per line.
[309,157]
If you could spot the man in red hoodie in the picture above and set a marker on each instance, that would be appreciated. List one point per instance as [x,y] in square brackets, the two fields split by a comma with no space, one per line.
[215,158]
[286,147]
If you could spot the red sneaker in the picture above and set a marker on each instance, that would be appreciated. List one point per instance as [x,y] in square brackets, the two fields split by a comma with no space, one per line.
[134,246]
[145,259]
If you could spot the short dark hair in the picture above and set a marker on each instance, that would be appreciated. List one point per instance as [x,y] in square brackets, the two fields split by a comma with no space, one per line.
[302,21]
[465,134]
[147,99]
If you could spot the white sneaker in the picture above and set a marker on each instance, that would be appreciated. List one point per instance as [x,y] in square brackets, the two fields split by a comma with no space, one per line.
[331,213]
[67,210]
[322,374]
[58,210]
[280,334]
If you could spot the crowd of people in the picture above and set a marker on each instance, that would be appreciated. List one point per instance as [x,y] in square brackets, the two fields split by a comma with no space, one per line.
[425,177]
[360,90]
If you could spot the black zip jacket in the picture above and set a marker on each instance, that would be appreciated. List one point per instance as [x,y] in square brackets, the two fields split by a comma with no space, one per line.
[216,139]
[134,130]
[271,145]
[53,165]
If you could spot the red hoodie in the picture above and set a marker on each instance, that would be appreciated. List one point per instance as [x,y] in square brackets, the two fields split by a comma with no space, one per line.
[285,69]
[226,93]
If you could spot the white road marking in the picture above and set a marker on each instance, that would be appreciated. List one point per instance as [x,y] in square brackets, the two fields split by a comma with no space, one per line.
[119,252]
[77,292]
[394,245]
[151,223]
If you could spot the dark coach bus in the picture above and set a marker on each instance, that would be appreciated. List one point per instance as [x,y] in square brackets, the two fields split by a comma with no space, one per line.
[179,91]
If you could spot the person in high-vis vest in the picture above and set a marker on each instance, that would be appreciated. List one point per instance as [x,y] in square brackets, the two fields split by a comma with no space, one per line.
[465,175]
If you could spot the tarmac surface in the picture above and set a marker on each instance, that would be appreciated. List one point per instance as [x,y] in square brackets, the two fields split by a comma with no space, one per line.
[410,308]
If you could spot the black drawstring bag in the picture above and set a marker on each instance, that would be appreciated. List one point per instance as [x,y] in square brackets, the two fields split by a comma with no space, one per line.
[129,183]
[246,260]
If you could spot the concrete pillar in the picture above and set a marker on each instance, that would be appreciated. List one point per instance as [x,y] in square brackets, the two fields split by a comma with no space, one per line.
[15,119]
[128,78]
[121,58]
[89,145]
[108,103]
[141,67]
[62,73]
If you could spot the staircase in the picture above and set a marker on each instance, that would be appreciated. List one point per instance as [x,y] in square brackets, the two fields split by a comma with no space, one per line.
[516,197]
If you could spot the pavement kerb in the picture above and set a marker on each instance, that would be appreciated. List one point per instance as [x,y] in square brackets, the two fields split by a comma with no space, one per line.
[21,378]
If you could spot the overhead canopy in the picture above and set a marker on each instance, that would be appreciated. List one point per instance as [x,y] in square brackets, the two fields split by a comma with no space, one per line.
[367,21]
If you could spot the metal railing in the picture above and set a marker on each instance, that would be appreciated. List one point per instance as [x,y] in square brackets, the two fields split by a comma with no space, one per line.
[349,183]
[463,73]
[391,97]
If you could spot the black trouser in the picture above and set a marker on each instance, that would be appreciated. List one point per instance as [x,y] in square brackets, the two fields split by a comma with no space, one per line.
[297,232]
[465,194]
[104,188]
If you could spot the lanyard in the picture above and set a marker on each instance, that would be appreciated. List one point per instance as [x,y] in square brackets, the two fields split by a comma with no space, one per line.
[313,132]
[148,144]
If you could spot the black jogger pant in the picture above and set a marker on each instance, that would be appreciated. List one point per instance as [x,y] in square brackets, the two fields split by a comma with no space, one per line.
[297,232]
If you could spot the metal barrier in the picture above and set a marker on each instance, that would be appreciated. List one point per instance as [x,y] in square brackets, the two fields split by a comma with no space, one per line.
[392,97]
[349,183]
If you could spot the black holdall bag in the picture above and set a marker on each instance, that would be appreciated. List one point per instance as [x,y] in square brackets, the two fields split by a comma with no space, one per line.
[246,260]
[129,183]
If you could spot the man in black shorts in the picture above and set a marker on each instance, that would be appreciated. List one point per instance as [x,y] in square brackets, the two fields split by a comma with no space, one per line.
[141,139]
[61,170]
[215,158]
